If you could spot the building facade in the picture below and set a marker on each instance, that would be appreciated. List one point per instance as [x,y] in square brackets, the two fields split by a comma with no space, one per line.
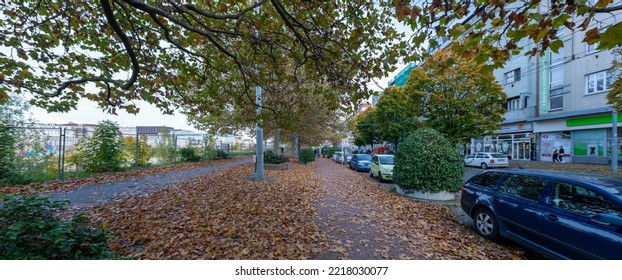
[558,100]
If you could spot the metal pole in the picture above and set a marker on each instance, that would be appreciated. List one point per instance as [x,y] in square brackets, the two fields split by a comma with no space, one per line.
[174,148]
[136,154]
[259,134]
[259,175]
[614,141]
[60,150]
[62,165]
[614,119]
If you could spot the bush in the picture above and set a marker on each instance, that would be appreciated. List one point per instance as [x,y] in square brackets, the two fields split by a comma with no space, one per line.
[189,154]
[29,230]
[307,155]
[331,151]
[427,162]
[271,158]
[104,151]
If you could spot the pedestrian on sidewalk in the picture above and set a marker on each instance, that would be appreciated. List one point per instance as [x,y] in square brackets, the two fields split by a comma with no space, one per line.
[555,155]
[561,154]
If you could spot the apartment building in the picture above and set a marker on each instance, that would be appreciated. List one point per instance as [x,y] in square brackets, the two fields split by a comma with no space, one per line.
[558,100]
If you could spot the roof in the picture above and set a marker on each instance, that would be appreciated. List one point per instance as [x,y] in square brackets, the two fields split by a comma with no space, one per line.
[609,183]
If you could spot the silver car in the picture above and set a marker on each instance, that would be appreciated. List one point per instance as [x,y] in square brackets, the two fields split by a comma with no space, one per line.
[486,160]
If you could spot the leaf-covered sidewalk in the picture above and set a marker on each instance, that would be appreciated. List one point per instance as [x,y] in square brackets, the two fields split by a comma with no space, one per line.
[365,220]
[317,211]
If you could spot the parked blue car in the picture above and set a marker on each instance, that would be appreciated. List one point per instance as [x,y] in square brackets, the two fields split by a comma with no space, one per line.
[560,215]
[360,162]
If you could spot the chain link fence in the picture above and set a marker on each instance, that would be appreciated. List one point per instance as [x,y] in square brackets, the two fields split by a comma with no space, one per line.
[43,153]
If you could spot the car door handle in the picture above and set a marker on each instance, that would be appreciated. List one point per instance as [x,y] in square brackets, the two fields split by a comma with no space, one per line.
[552,217]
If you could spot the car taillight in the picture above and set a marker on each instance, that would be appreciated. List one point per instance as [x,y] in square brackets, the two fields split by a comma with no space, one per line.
[492,160]
[462,191]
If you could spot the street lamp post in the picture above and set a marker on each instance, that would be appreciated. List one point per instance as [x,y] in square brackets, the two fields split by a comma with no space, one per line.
[259,174]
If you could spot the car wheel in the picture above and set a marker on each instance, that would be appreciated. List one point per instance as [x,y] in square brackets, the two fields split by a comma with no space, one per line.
[371,174]
[484,165]
[485,223]
[380,177]
[356,169]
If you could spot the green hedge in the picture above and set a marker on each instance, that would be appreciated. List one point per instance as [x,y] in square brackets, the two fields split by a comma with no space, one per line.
[427,162]
[271,158]
[307,155]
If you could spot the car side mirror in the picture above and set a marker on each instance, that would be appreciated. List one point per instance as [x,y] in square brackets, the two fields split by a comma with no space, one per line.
[607,219]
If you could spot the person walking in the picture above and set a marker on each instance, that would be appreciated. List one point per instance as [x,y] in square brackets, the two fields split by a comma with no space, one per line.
[560,157]
[555,155]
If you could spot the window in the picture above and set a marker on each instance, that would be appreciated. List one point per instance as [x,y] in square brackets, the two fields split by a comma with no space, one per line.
[581,200]
[557,76]
[556,99]
[513,104]
[487,180]
[591,48]
[512,76]
[599,82]
[528,187]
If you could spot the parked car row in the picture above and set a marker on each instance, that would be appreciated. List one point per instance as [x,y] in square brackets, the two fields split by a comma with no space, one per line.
[377,165]
[560,215]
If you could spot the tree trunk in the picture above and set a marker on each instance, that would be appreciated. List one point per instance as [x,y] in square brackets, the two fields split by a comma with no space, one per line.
[276,148]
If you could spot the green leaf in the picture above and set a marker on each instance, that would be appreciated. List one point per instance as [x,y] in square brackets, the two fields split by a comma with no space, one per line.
[611,37]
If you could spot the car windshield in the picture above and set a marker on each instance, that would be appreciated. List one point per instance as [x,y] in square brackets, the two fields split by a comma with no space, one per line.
[497,155]
[363,157]
[386,160]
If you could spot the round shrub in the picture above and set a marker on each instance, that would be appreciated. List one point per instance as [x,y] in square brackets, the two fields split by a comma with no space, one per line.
[425,161]
[307,155]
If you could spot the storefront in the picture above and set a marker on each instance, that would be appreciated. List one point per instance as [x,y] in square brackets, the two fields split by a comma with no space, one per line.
[585,138]
[513,140]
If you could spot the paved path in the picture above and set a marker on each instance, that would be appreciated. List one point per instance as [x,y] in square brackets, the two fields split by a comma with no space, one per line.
[103,193]
[349,223]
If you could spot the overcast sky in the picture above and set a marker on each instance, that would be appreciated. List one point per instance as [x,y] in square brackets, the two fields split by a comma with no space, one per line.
[88,112]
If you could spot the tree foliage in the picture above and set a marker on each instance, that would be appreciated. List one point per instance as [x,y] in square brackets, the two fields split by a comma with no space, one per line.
[23,155]
[105,149]
[426,161]
[365,128]
[145,152]
[165,147]
[456,96]
[492,29]
[204,58]
[397,114]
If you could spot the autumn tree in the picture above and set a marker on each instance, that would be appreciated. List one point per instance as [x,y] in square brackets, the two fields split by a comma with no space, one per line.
[397,114]
[201,58]
[365,128]
[457,96]
[145,152]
